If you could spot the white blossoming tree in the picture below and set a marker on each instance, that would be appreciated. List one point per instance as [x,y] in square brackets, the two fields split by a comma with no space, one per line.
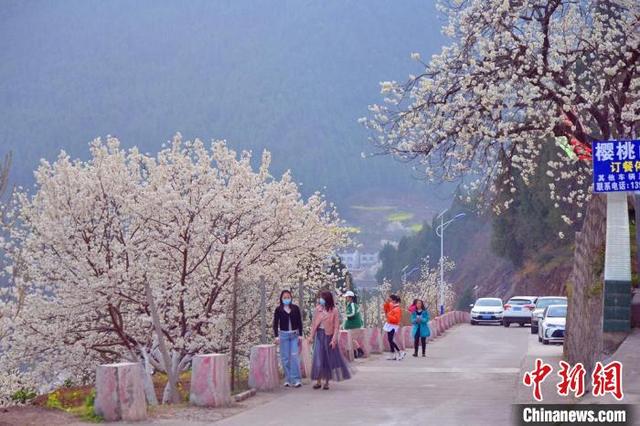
[515,74]
[518,74]
[153,259]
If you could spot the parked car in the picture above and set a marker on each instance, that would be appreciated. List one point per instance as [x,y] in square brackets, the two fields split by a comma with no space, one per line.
[552,325]
[542,303]
[486,310]
[518,309]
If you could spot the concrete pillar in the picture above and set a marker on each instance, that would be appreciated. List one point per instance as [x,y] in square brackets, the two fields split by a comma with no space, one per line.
[617,270]
[346,345]
[374,336]
[360,336]
[305,359]
[120,392]
[433,329]
[263,368]
[406,336]
[210,385]
[385,341]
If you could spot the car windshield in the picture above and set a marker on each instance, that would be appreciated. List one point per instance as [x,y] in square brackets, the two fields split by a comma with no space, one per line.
[543,303]
[488,302]
[519,301]
[557,312]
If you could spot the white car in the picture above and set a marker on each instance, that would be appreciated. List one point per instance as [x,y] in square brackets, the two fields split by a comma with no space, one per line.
[487,309]
[518,309]
[551,328]
[542,303]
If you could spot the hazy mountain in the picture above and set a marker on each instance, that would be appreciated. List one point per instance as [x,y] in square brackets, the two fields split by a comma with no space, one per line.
[291,76]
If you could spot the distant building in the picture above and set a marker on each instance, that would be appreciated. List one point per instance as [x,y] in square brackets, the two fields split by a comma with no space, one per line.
[356,261]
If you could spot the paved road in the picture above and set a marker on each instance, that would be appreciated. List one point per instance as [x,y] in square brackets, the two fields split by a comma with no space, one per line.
[469,377]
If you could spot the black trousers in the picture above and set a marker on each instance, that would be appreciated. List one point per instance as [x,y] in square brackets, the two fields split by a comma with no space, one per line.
[392,345]
[422,340]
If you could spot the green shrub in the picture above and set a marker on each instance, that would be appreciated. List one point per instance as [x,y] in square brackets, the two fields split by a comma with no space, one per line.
[53,401]
[23,395]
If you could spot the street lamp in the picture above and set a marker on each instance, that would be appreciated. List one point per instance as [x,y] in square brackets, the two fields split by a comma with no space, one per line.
[440,233]
[405,275]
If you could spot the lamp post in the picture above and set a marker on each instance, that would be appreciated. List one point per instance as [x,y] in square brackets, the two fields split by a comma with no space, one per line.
[440,233]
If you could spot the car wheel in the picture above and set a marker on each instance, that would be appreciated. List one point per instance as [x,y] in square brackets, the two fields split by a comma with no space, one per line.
[506,323]
[473,322]
[545,342]
[521,324]
[534,330]
[539,339]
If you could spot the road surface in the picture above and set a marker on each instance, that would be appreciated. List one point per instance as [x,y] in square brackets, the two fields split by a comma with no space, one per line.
[470,376]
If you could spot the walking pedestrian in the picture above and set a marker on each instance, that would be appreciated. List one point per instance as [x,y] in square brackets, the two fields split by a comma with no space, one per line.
[328,362]
[394,315]
[420,330]
[287,328]
[354,320]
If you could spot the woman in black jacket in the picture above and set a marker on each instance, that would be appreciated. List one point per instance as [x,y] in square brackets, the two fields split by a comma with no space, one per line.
[287,329]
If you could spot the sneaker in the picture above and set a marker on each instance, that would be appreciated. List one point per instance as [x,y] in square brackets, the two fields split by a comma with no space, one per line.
[402,354]
[297,385]
[393,357]
[415,354]
[287,384]
[423,355]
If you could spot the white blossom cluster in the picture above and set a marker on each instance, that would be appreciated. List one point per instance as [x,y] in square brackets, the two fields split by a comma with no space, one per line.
[426,288]
[109,251]
[516,73]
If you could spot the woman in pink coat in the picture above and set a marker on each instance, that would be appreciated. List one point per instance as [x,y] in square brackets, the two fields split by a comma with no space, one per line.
[328,362]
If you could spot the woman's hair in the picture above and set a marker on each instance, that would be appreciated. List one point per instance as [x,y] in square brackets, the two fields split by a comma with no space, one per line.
[328,300]
[395,298]
[282,294]
[415,303]
[354,299]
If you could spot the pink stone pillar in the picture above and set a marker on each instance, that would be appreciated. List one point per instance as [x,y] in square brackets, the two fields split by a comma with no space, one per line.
[467,316]
[374,337]
[346,345]
[120,392]
[305,359]
[433,329]
[447,319]
[440,323]
[210,381]
[406,336]
[385,341]
[360,336]
[263,368]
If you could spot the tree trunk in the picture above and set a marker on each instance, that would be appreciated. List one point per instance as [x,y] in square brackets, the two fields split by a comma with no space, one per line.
[172,395]
[149,390]
[583,340]
[234,337]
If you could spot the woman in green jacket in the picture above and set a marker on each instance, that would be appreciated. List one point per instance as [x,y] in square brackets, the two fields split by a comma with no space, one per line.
[354,320]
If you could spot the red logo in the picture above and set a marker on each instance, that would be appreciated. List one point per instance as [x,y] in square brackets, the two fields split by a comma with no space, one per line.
[536,377]
[572,379]
[607,379]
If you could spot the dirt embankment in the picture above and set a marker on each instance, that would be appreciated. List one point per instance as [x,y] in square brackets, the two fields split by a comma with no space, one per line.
[544,275]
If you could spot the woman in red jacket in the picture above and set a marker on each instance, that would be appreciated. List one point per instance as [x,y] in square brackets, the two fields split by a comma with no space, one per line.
[394,315]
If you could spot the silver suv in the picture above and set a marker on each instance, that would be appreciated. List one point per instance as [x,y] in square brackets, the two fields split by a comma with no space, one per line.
[518,309]
[541,303]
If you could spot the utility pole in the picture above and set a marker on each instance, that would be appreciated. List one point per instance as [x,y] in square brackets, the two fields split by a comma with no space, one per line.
[440,232]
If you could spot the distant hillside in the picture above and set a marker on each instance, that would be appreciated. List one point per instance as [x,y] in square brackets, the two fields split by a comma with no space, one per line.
[292,76]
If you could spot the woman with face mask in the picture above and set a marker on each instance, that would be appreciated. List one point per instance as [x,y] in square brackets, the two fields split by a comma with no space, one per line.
[328,362]
[287,328]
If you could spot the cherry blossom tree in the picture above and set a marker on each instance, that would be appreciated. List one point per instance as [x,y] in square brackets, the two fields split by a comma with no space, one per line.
[151,258]
[515,74]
